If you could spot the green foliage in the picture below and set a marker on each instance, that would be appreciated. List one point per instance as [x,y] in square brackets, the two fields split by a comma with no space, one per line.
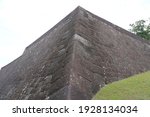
[133,88]
[141,28]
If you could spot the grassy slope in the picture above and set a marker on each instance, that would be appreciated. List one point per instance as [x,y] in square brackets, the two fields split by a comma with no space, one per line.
[133,88]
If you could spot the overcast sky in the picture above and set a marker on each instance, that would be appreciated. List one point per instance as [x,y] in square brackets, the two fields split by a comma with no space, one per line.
[23,21]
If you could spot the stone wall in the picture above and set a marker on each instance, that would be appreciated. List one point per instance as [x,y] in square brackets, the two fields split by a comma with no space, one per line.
[43,69]
[74,59]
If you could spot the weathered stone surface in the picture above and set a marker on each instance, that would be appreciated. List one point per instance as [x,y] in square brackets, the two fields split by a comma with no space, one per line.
[74,59]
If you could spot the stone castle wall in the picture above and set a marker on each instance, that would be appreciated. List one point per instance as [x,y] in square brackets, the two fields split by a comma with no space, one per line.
[74,59]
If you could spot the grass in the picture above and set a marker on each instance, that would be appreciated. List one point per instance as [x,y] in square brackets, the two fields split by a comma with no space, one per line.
[133,88]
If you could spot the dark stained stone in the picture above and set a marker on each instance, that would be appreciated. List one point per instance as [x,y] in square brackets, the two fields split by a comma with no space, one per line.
[74,59]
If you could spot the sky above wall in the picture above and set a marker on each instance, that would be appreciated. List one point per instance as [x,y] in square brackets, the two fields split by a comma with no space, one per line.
[23,21]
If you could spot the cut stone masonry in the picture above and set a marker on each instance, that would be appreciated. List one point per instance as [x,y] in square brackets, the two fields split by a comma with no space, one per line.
[74,59]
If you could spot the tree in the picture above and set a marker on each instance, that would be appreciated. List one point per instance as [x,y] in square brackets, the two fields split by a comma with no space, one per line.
[141,28]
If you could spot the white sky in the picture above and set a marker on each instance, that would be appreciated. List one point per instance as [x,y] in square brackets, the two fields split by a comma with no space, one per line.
[23,21]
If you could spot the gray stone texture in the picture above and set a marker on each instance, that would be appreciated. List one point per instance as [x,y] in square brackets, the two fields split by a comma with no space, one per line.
[74,59]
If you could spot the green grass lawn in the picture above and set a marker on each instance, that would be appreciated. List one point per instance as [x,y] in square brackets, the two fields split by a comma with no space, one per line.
[133,88]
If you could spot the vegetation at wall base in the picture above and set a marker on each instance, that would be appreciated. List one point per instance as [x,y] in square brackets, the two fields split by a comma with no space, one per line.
[133,88]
